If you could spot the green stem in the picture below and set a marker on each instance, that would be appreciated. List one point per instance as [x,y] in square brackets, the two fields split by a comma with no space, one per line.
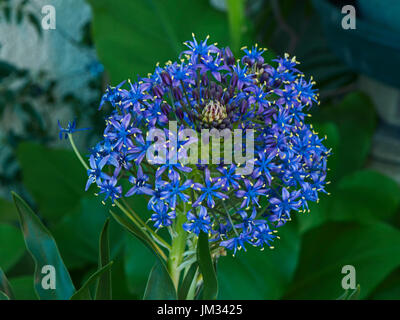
[71,140]
[133,217]
[177,248]
[236,22]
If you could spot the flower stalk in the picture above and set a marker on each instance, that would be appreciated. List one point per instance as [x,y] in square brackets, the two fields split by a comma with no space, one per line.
[178,245]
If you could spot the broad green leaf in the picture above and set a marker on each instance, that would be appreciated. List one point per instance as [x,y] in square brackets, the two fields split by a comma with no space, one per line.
[84,292]
[119,279]
[378,194]
[155,29]
[373,250]
[12,247]
[23,288]
[104,288]
[7,211]
[5,286]
[355,198]
[159,285]
[44,251]
[54,177]
[210,283]
[355,117]
[187,282]
[77,233]
[138,261]
[139,234]
[388,289]
[318,215]
[259,274]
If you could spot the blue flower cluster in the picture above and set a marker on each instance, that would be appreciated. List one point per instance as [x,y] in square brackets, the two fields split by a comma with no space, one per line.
[209,89]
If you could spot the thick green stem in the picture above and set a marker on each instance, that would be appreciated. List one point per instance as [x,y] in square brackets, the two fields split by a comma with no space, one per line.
[177,248]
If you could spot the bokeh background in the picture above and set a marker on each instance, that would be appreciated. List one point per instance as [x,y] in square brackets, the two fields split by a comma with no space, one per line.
[50,75]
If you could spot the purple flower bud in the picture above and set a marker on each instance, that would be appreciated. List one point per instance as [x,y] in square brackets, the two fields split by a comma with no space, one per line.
[219,92]
[166,78]
[165,108]
[179,113]
[234,80]
[158,91]
[212,93]
[247,60]
[191,116]
[223,79]
[277,83]
[212,85]
[204,79]
[206,94]
[177,93]
[243,106]
[196,94]
[229,57]
[231,91]
[264,77]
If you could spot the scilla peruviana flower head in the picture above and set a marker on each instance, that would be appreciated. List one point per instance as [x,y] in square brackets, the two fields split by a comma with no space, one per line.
[159,143]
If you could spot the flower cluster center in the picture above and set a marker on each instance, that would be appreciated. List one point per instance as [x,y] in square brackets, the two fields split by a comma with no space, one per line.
[214,111]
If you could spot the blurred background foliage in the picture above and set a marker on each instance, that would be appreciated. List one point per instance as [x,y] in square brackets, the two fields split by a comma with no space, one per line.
[357,224]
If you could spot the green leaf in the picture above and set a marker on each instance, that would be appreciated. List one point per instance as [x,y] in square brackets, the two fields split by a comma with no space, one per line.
[23,288]
[138,261]
[355,198]
[138,233]
[236,17]
[210,283]
[155,29]
[5,287]
[355,118]
[44,251]
[54,177]
[77,233]
[84,292]
[120,288]
[104,288]
[187,282]
[355,294]
[13,251]
[375,202]
[259,275]
[7,211]
[3,296]
[371,248]
[350,294]
[389,288]
[159,285]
